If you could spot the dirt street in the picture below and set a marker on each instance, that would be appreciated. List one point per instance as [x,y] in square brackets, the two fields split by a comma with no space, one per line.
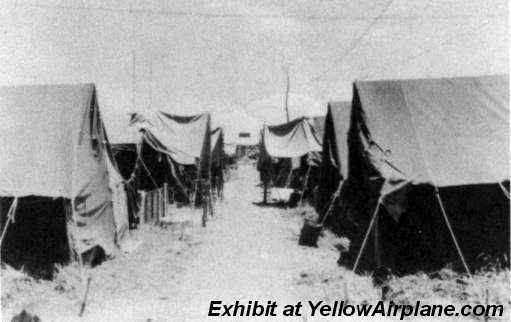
[246,252]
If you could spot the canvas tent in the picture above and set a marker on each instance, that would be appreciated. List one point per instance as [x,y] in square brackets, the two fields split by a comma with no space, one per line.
[175,150]
[426,157]
[281,150]
[318,124]
[54,166]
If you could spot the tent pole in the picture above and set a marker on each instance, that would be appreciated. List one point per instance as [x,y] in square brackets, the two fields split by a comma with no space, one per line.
[371,224]
[305,184]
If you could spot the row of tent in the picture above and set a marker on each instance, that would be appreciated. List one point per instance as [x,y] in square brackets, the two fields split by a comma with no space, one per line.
[65,191]
[416,171]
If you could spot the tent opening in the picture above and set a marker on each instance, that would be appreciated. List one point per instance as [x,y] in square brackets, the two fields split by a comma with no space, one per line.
[37,239]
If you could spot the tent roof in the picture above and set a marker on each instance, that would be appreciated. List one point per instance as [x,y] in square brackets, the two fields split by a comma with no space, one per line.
[450,131]
[40,128]
[290,140]
[181,137]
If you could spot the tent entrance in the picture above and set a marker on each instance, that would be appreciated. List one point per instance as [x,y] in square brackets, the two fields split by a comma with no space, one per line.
[37,238]
[421,240]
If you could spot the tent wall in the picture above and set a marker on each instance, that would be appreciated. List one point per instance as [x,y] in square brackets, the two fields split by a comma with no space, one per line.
[335,158]
[154,205]
[92,197]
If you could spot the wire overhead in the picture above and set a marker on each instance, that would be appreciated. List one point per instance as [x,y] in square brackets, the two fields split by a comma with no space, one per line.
[354,44]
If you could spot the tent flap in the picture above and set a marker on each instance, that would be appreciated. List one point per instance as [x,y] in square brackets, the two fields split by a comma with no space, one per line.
[186,139]
[290,140]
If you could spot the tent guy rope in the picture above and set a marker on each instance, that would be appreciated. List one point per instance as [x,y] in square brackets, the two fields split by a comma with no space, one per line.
[368,232]
[10,218]
[504,190]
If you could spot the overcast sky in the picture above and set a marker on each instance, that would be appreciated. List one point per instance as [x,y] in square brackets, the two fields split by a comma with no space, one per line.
[192,56]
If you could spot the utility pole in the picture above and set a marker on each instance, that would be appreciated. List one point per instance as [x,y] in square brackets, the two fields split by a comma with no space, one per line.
[286,70]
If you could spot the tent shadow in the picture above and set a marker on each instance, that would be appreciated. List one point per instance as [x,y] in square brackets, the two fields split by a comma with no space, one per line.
[280,204]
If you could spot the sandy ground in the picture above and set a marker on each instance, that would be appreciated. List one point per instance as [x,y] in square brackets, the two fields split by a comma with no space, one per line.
[246,252]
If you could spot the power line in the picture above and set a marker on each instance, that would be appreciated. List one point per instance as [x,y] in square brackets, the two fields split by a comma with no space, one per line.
[419,54]
[426,7]
[429,49]
[353,44]
[184,13]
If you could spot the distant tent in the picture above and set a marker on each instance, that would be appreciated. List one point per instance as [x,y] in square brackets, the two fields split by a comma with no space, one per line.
[281,150]
[318,124]
[289,140]
[334,156]
[55,166]
[334,162]
[175,150]
[409,139]
[217,160]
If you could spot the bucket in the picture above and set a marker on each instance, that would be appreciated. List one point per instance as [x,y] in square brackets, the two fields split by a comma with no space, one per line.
[310,233]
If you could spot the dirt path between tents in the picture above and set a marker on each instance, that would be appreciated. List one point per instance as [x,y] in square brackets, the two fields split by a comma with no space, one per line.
[246,252]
